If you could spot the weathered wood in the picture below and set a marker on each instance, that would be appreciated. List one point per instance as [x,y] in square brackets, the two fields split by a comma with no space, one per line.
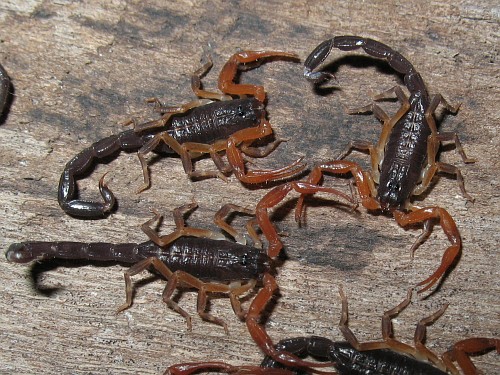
[80,68]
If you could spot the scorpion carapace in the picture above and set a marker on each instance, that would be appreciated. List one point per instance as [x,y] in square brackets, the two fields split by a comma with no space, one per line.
[404,160]
[192,257]
[201,127]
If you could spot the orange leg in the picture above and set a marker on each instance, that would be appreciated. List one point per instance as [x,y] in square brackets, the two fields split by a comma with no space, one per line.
[450,229]
[364,183]
[274,197]
[237,163]
[220,221]
[420,351]
[387,329]
[181,229]
[260,335]
[178,278]
[228,72]
[462,351]
[377,152]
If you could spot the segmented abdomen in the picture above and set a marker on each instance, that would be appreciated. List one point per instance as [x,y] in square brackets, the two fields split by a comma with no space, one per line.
[349,361]
[215,121]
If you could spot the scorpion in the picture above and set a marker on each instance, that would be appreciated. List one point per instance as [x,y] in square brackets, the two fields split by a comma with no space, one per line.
[212,124]
[350,357]
[4,88]
[402,163]
[194,257]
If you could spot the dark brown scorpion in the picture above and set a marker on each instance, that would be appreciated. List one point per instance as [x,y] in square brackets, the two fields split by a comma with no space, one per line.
[387,357]
[403,162]
[193,257]
[200,127]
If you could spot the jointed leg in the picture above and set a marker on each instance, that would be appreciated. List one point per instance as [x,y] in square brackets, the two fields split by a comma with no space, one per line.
[421,350]
[221,216]
[364,183]
[387,331]
[213,150]
[433,166]
[377,152]
[274,197]
[196,82]
[228,72]
[168,113]
[462,351]
[180,230]
[260,335]
[256,176]
[450,229]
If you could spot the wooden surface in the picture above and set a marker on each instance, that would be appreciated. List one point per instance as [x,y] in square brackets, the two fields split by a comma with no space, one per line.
[80,68]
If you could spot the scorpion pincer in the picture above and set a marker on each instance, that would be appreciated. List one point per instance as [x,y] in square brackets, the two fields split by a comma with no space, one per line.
[193,257]
[350,357]
[404,160]
[213,124]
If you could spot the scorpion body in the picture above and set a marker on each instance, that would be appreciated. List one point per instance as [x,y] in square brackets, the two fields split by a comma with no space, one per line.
[409,140]
[203,258]
[191,130]
[206,124]
[402,163]
[348,360]
[191,257]
[350,357]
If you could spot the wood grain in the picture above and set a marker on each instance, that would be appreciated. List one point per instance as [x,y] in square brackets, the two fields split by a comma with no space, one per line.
[78,69]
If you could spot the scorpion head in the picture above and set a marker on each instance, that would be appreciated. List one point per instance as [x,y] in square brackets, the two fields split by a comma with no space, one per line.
[249,110]
[392,192]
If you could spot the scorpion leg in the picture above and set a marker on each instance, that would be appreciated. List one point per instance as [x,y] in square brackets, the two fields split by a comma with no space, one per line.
[180,228]
[260,335]
[437,166]
[419,337]
[364,183]
[251,224]
[462,351]
[175,279]
[434,166]
[256,176]
[435,139]
[196,82]
[258,152]
[377,152]
[206,97]
[450,229]
[223,213]
[387,330]
[168,113]
[213,150]
[274,197]
[178,148]
[228,72]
